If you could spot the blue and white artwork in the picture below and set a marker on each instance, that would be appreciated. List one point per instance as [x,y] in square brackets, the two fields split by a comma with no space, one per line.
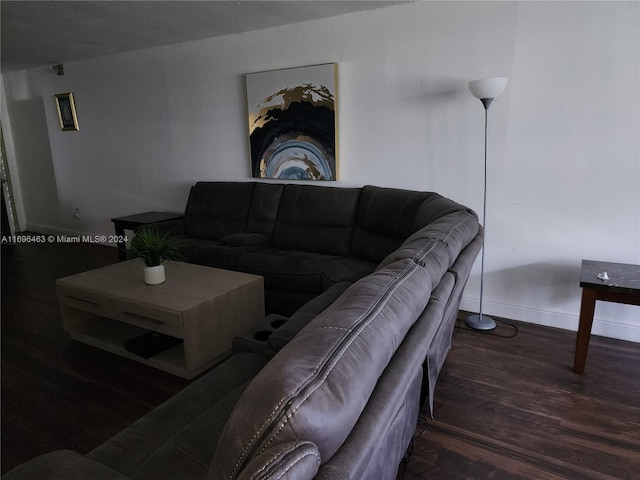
[292,123]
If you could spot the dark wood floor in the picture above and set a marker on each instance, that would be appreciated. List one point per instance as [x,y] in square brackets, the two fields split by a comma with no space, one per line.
[505,408]
[512,408]
[57,393]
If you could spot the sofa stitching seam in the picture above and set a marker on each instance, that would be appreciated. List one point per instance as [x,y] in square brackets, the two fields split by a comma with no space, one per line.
[298,460]
[281,456]
[189,455]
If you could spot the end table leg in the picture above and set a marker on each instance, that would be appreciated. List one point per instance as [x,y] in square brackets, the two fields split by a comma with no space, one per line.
[587,309]
[121,246]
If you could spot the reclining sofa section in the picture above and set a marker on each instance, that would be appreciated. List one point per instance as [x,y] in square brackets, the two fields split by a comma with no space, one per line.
[301,238]
[334,390]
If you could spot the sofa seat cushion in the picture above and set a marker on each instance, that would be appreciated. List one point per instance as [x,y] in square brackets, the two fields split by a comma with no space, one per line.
[188,454]
[63,465]
[245,240]
[286,270]
[220,254]
[316,387]
[285,303]
[177,439]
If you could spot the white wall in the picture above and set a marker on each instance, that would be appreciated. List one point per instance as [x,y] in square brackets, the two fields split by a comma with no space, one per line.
[564,151]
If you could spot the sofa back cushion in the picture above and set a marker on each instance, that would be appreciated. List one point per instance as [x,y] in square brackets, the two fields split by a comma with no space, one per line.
[434,207]
[387,216]
[316,219]
[216,209]
[316,387]
[264,208]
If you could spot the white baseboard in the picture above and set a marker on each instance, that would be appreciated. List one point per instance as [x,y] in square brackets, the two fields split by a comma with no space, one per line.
[601,326]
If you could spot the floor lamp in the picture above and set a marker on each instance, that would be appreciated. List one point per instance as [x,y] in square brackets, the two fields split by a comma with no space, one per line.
[486,90]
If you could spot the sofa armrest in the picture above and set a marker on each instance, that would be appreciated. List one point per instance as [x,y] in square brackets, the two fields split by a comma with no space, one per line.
[299,460]
[63,465]
[251,345]
[256,340]
[304,315]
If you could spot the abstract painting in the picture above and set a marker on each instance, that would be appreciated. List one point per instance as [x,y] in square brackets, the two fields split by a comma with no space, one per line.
[292,123]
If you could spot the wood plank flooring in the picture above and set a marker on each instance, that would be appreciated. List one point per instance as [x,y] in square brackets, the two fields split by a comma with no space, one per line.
[513,409]
[505,408]
[57,393]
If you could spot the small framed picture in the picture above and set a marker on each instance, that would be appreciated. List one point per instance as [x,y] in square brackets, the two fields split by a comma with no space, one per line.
[67,111]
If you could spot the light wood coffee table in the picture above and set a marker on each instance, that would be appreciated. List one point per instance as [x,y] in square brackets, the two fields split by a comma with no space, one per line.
[205,307]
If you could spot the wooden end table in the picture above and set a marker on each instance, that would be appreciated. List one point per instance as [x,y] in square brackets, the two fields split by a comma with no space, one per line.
[131,222]
[622,286]
[205,307]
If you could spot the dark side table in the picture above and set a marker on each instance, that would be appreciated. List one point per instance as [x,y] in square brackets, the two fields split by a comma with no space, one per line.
[622,286]
[131,222]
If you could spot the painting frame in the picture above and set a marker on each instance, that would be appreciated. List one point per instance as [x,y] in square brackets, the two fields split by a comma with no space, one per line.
[293,123]
[66,108]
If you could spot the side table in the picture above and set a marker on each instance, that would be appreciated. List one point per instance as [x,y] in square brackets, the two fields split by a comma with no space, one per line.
[131,222]
[622,286]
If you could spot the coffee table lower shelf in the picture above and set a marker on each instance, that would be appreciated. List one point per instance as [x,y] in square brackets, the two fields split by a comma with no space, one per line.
[111,335]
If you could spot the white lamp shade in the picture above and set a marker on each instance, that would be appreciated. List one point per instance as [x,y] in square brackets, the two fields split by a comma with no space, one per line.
[488,87]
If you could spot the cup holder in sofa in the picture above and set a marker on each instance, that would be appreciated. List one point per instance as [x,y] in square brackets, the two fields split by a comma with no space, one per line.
[256,340]
[275,324]
[262,335]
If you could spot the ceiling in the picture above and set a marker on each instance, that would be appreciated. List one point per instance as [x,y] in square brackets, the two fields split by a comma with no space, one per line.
[39,33]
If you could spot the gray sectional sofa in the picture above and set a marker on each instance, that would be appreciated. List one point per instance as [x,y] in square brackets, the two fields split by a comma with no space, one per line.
[302,238]
[331,387]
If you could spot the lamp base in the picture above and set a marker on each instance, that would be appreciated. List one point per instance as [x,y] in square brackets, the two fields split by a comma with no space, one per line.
[480,322]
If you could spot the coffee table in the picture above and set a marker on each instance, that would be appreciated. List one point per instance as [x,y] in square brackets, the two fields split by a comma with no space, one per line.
[622,286]
[204,307]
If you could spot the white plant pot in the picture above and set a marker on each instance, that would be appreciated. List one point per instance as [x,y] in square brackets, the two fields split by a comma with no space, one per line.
[154,275]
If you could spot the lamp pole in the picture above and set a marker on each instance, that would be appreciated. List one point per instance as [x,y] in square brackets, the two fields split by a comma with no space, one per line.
[486,90]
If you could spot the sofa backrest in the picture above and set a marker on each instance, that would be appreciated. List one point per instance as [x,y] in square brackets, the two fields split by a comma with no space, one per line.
[264,208]
[387,216]
[216,209]
[316,219]
[438,244]
[315,389]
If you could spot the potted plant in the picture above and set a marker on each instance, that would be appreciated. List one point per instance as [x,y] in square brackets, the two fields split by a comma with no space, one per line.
[154,247]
